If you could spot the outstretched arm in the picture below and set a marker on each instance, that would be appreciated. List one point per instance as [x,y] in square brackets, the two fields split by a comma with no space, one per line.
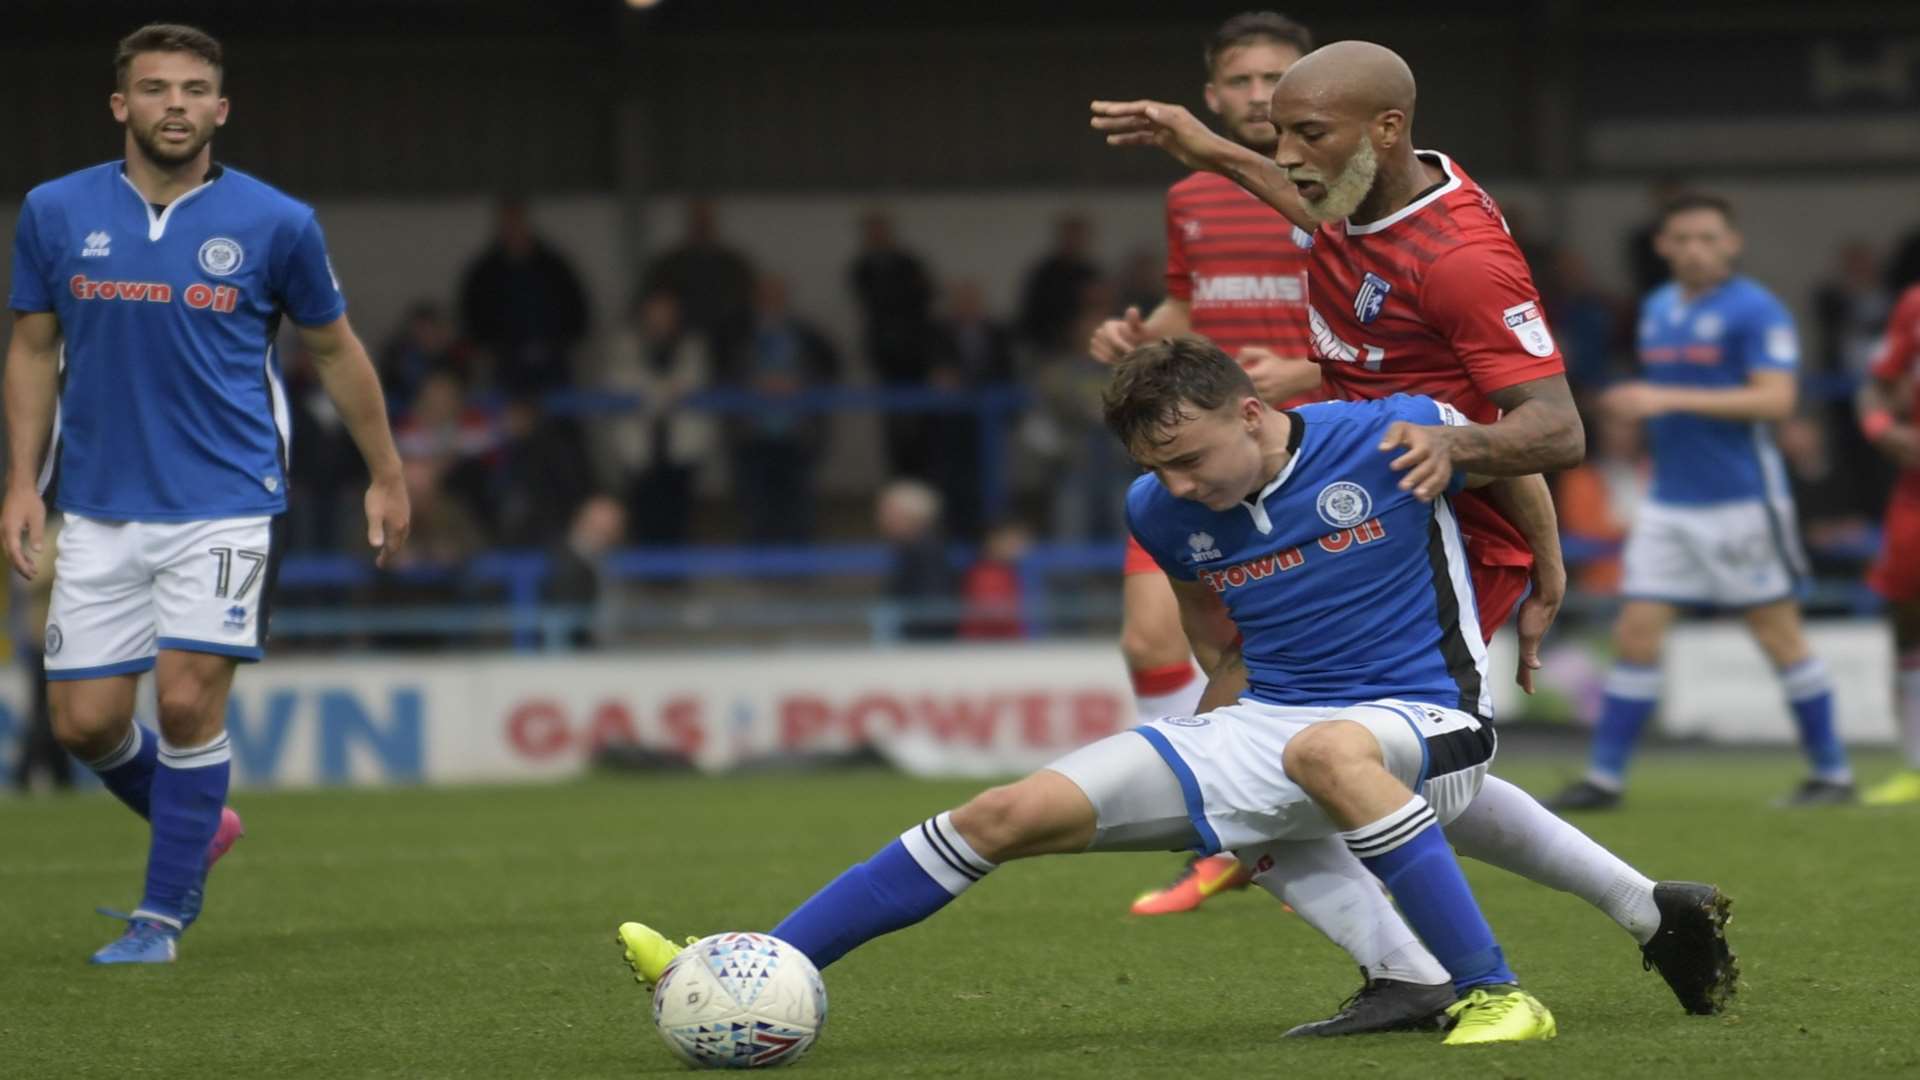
[1766,395]
[1190,142]
[1539,430]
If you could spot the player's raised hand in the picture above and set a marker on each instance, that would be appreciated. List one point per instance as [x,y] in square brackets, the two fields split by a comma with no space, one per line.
[1428,461]
[1277,378]
[389,518]
[1900,443]
[1156,123]
[1537,613]
[24,520]
[1116,338]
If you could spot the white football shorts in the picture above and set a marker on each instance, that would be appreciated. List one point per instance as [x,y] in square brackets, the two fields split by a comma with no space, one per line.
[1728,555]
[1214,782]
[123,590]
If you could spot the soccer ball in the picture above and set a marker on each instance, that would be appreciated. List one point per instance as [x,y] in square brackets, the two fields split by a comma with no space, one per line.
[740,1001]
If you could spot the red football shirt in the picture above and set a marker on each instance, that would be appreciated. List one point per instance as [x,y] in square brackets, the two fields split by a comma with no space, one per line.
[1241,268]
[1433,299]
[1899,360]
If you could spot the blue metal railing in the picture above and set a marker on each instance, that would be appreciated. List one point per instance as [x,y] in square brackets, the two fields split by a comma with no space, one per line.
[521,575]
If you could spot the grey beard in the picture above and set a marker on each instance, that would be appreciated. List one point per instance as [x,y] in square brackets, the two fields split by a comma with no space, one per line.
[1347,191]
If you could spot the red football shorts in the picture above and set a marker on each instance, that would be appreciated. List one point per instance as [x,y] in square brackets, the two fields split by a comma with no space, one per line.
[1896,573]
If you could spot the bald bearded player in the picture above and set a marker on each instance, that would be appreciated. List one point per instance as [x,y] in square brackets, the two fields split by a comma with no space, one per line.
[1414,286]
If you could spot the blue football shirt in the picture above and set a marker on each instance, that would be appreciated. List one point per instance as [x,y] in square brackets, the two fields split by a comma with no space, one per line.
[171,404]
[1715,341]
[1345,588]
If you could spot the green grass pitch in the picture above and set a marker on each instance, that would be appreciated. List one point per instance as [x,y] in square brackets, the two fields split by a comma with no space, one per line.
[468,933]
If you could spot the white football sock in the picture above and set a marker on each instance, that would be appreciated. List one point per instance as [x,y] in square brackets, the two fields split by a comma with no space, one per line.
[1506,827]
[944,854]
[1180,702]
[1327,886]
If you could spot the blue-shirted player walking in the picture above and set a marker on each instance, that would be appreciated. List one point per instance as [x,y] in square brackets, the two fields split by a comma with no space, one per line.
[1717,531]
[142,387]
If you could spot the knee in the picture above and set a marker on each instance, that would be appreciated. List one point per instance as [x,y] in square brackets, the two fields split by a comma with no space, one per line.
[87,729]
[1784,645]
[996,822]
[1636,641]
[1321,754]
[185,713]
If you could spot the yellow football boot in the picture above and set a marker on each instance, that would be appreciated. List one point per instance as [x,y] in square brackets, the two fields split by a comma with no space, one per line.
[1507,1014]
[647,951]
[1901,787]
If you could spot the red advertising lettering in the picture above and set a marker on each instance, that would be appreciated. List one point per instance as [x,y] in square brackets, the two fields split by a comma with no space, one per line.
[537,729]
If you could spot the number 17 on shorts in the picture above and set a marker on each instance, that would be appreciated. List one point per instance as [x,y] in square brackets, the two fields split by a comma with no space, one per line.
[122,590]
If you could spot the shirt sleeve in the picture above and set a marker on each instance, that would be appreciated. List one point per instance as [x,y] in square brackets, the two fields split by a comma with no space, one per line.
[30,291]
[1900,348]
[1139,503]
[1179,275]
[307,286]
[1767,340]
[1482,300]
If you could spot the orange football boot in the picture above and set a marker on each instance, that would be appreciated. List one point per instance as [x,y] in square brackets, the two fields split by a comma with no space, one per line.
[1203,878]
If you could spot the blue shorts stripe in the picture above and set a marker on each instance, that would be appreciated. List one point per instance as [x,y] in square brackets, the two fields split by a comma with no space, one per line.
[217,648]
[1189,787]
[124,667]
[1426,755]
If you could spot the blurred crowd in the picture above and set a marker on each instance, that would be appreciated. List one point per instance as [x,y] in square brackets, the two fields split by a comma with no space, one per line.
[736,410]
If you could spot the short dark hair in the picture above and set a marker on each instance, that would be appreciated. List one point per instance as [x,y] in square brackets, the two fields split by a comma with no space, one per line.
[1251,26]
[1696,200]
[1164,382]
[165,37]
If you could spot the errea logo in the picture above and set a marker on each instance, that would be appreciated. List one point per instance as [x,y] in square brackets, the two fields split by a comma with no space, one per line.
[1203,547]
[98,245]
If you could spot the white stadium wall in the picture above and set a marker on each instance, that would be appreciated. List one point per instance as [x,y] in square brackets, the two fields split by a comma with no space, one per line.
[975,711]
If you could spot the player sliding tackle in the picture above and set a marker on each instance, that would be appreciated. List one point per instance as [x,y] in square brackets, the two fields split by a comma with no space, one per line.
[1369,732]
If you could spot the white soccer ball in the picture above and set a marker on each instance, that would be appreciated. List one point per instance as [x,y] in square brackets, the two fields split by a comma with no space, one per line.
[740,1001]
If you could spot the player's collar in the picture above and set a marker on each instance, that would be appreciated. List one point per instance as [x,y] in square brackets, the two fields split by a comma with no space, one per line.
[1427,198]
[1257,506]
[157,219]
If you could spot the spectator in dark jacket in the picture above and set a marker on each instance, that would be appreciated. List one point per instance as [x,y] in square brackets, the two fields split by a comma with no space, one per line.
[522,303]
[895,295]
